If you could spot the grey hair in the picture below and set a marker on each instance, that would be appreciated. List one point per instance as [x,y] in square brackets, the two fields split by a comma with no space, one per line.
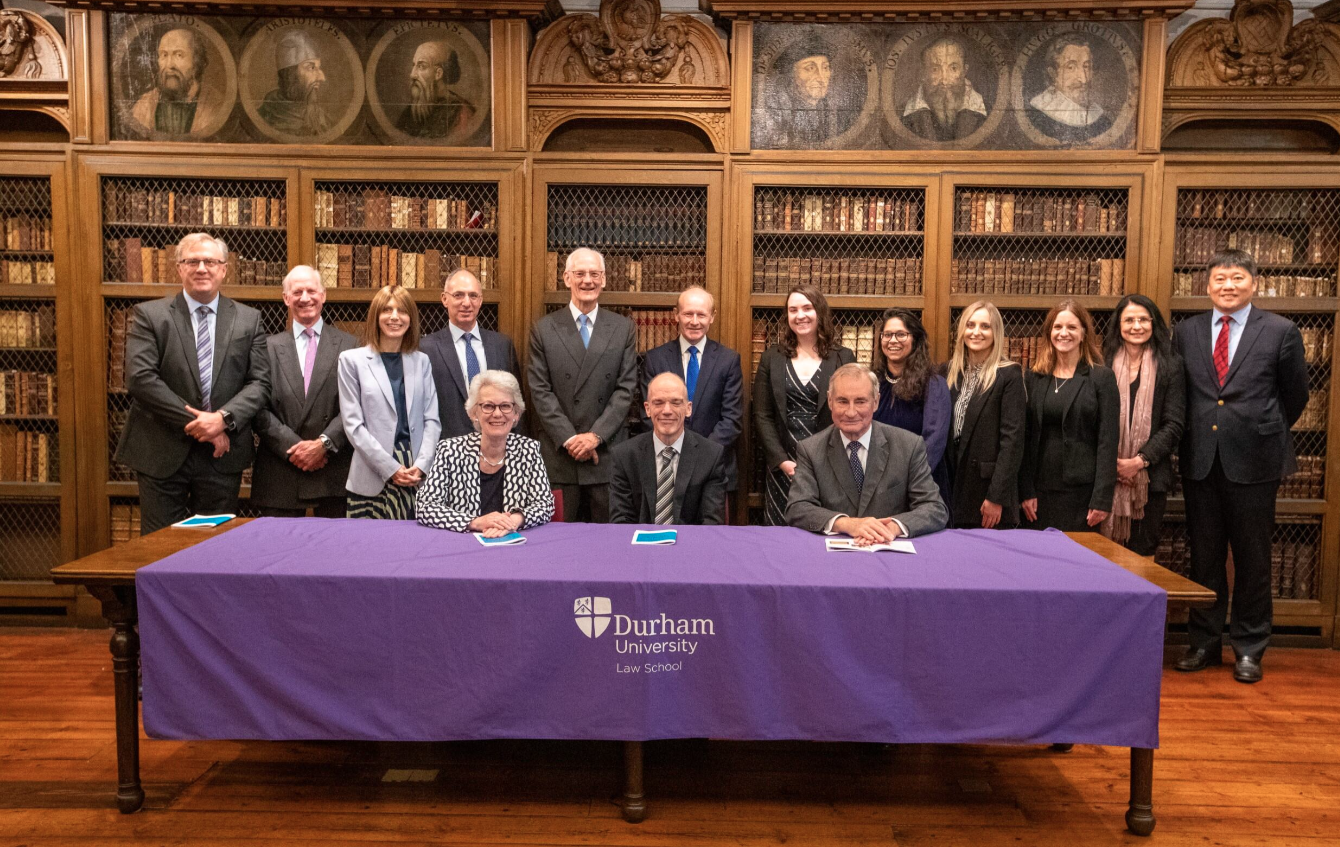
[497,379]
[855,369]
[567,265]
[197,237]
[301,271]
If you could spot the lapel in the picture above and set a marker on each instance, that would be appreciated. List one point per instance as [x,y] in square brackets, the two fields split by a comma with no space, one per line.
[413,402]
[495,353]
[1082,369]
[566,326]
[469,458]
[709,359]
[448,350]
[684,472]
[223,330]
[600,339]
[839,463]
[875,462]
[1250,333]
[181,319]
[974,411]
[326,357]
[778,378]
[649,460]
[1201,346]
[289,368]
[379,373]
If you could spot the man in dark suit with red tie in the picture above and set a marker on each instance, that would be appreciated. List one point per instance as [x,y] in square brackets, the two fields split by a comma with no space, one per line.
[1247,383]
[710,371]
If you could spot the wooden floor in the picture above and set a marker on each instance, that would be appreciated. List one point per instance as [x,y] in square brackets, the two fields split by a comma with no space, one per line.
[1240,765]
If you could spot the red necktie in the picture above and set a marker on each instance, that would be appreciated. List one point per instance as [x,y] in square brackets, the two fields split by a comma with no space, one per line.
[1221,351]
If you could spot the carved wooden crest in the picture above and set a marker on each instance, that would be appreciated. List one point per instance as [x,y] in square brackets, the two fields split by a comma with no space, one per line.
[1258,46]
[30,48]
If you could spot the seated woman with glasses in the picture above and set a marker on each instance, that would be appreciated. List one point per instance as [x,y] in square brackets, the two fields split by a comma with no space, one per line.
[491,481]
[912,396]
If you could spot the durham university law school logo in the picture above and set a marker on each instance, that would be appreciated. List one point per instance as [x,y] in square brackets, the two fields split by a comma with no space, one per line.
[593,615]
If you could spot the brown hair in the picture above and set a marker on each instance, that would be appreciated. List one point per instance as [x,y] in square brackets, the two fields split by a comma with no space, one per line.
[824,342]
[372,329]
[917,367]
[1090,349]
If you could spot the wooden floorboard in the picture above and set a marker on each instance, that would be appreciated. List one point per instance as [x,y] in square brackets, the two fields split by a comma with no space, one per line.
[1240,766]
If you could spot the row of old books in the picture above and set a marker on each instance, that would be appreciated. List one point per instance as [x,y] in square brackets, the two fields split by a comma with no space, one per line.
[125,522]
[27,232]
[128,260]
[839,276]
[1195,244]
[1024,349]
[1318,342]
[1293,564]
[654,327]
[124,205]
[1308,483]
[1104,277]
[26,456]
[28,328]
[1314,413]
[649,272]
[118,320]
[373,266]
[1195,283]
[825,211]
[377,208]
[27,273]
[1005,211]
[860,340]
[1231,205]
[610,226]
[27,393]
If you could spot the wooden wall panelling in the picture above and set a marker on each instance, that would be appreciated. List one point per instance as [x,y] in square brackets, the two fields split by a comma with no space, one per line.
[741,89]
[1149,132]
[511,45]
[85,39]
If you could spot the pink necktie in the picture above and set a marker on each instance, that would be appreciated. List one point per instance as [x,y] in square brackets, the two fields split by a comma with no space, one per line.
[310,360]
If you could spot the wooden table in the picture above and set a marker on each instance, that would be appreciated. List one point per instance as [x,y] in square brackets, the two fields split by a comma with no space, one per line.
[109,575]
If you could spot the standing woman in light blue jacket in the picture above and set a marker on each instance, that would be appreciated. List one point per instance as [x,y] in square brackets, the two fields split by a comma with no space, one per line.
[388,403]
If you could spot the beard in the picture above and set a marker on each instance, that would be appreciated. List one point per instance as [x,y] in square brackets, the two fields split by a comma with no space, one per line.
[420,103]
[946,101]
[308,95]
[1082,94]
[172,84]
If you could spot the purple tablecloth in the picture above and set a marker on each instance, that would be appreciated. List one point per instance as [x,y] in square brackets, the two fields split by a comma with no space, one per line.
[321,629]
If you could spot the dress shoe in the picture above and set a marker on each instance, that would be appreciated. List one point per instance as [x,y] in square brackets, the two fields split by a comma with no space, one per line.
[1247,669]
[1199,658]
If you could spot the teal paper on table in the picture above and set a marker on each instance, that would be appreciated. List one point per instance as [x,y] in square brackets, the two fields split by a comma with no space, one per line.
[660,536]
[502,540]
[204,520]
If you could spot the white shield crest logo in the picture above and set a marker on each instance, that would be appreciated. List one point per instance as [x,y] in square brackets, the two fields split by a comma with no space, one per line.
[592,614]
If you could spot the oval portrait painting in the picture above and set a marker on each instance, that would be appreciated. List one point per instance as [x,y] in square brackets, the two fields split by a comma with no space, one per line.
[815,87]
[301,80]
[428,83]
[1077,85]
[173,79]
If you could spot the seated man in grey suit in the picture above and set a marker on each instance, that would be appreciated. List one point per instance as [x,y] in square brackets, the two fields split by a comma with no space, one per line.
[304,456]
[670,475]
[862,478]
[197,375]
[457,359]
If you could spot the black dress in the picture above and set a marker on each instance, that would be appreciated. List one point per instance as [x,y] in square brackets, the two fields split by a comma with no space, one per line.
[802,421]
[1060,506]
[491,491]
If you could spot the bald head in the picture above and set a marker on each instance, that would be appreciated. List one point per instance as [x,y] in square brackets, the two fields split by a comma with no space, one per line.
[695,310]
[667,404]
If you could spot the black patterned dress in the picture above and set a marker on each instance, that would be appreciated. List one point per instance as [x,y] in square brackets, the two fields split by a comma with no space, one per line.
[802,421]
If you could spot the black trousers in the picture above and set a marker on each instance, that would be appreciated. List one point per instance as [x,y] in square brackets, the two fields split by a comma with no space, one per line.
[1146,532]
[586,503]
[197,488]
[1220,515]
[326,507]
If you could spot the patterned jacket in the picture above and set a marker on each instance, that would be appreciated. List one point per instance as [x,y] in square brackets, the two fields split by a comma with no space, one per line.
[449,497]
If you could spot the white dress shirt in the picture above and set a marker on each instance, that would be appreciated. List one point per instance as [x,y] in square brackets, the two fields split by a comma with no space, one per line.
[863,456]
[684,346]
[196,306]
[591,327]
[657,445]
[1237,322]
[300,339]
[458,340]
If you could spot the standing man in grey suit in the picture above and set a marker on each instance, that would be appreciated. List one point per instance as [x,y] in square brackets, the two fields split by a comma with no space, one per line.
[670,475]
[710,371]
[583,369]
[860,477]
[197,375]
[304,457]
[462,350]
[1246,385]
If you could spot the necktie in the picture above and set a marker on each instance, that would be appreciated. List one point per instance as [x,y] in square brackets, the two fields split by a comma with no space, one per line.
[204,354]
[471,360]
[691,374]
[857,472]
[585,330]
[1221,351]
[309,360]
[665,488]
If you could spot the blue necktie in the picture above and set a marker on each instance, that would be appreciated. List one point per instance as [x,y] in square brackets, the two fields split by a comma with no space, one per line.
[471,360]
[691,375]
[857,472]
[585,330]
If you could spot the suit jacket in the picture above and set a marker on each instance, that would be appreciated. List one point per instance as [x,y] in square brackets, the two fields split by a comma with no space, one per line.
[1091,427]
[1167,418]
[450,499]
[452,389]
[367,410]
[1263,395]
[898,482]
[986,457]
[770,401]
[700,481]
[718,398]
[575,390]
[293,415]
[163,377]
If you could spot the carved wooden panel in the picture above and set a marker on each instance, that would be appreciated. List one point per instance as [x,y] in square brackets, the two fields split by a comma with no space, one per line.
[1257,46]
[30,48]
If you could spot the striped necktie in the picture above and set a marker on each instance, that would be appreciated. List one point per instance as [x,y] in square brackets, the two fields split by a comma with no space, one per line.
[204,355]
[665,488]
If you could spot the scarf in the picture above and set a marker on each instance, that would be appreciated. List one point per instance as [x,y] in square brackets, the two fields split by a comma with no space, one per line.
[1128,501]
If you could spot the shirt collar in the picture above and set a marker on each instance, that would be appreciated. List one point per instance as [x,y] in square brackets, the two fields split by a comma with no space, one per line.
[684,346]
[661,445]
[864,439]
[457,332]
[1239,317]
[972,101]
[196,305]
[298,328]
[576,313]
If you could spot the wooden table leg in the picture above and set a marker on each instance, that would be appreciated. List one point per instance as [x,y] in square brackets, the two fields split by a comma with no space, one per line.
[634,802]
[1140,815]
[118,607]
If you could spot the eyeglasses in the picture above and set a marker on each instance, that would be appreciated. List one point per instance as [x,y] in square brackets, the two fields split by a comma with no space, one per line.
[900,337]
[490,408]
[1136,321]
[208,263]
[587,274]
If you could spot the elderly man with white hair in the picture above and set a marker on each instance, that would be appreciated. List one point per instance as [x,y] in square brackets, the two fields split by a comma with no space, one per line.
[304,456]
[491,481]
[197,375]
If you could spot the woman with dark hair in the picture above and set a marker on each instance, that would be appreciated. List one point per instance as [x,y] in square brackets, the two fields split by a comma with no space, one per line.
[911,395]
[1070,449]
[791,390]
[1152,387]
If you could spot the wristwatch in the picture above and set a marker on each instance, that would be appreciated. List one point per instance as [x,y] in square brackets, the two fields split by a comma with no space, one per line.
[1144,459]
[327,443]
[228,423]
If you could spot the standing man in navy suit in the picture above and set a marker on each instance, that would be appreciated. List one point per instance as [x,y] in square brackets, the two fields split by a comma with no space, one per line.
[1246,385]
[710,371]
[456,360]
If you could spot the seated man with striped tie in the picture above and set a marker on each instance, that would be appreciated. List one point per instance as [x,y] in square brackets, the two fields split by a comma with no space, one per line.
[670,475]
[860,477]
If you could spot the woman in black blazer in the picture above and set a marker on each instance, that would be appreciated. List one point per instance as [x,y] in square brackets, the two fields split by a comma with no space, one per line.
[1152,388]
[1070,448]
[791,391]
[986,444]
